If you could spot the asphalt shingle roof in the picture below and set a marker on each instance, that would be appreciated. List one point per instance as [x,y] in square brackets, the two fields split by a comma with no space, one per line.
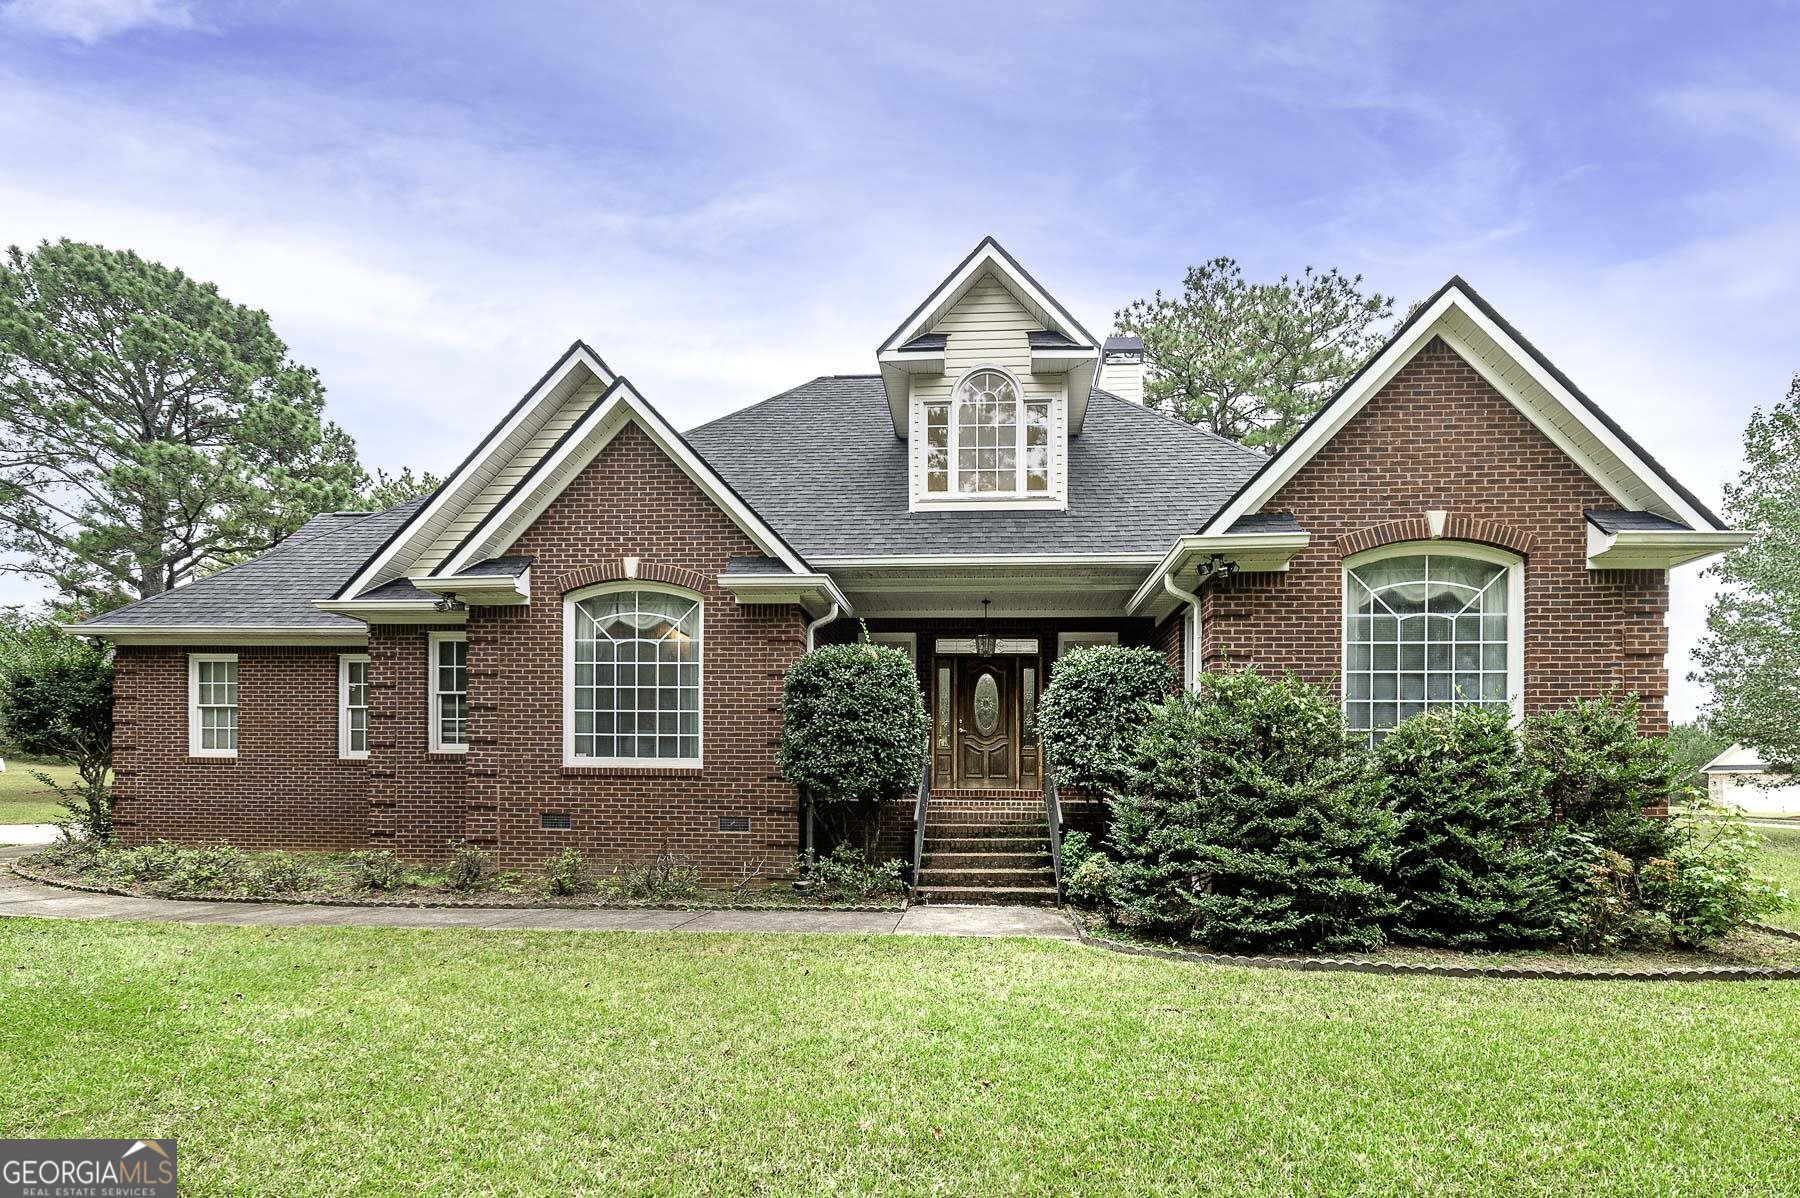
[822,465]
[275,590]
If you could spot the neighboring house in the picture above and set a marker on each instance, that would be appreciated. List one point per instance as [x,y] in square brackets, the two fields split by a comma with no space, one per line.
[1739,777]
[580,637]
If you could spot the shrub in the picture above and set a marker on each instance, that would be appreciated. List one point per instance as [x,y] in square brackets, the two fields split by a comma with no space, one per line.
[56,702]
[566,874]
[852,725]
[467,866]
[1090,882]
[1601,775]
[377,869]
[1252,822]
[1707,887]
[212,869]
[1467,871]
[846,873]
[663,877]
[1094,709]
[275,874]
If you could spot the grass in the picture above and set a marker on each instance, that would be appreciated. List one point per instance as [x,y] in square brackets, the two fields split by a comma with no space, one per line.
[340,1060]
[1781,861]
[25,800]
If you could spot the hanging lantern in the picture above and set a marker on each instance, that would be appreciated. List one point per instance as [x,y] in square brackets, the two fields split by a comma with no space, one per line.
[984,640]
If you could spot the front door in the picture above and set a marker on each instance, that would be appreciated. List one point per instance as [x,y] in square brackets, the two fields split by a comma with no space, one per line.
[987,708]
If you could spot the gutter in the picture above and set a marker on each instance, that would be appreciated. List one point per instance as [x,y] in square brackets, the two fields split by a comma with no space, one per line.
[819,623]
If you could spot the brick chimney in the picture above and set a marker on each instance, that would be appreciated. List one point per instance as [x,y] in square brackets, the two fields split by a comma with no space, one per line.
[1122,368]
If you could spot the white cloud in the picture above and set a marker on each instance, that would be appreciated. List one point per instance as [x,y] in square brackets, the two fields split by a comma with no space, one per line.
[90,21]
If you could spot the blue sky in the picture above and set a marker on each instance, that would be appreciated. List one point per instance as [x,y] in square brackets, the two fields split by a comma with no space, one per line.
[433,200]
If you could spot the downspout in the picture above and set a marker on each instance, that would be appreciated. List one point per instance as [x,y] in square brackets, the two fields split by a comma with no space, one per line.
[819,623]
[811,630]
[1193,600]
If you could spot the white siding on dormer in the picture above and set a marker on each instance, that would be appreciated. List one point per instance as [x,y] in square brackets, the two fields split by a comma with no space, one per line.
[988,327]
[494,493]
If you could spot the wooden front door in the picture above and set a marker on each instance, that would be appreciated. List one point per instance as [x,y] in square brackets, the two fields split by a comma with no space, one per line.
[987,720]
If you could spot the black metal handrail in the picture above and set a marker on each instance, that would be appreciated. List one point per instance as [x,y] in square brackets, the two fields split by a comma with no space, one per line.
[919,822]
[1053,813]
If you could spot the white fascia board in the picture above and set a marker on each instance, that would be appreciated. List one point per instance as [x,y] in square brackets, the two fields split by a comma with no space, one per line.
[1396,355]
[593,433]
[934,561]
[490,590]
[1656,549]
[215,634]
[811,590]
[1254,552]
[579,357]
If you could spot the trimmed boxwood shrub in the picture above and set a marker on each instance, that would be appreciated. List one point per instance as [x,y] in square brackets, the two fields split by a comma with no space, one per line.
[1094,710]
[853,724]
[1600,774]
[1252,822]
[1468,863]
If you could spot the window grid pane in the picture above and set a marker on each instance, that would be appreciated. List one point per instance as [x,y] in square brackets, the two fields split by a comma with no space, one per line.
[636,685]
[1422,632]
[356,706]
[452,714]
[216,696]
[987,434]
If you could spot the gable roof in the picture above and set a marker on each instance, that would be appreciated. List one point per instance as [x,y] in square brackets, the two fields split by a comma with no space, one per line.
[272,593]
[822,463]
[1521,373]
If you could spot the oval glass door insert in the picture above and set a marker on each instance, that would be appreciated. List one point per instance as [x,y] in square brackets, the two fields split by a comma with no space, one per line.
[987,705]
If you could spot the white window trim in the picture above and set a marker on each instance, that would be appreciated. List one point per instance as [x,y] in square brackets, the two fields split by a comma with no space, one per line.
[1083,640]
[1018,497]
[345,661]
[906,642]
[194,660]
[1515,607]
[431,715]
[570,758]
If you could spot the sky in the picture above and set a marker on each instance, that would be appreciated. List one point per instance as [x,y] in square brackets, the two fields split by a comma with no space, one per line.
[433,200]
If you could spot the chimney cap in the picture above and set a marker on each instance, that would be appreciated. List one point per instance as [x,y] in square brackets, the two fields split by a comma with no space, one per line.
[1123,345]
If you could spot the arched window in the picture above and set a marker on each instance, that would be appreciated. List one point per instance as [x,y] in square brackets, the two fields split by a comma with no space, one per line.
[987,439]
[632,689]
[1430,626]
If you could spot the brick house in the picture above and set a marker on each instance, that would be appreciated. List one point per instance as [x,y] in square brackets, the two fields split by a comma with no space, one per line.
[580,637]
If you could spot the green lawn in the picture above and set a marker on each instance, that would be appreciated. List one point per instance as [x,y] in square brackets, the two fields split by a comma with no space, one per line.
[1781,861]
[452,1062]
[25,800]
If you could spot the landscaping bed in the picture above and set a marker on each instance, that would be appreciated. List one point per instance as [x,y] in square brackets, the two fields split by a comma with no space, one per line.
[1749,951]
[222,873]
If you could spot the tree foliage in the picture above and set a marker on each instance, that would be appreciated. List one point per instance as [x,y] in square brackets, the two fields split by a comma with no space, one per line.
[150,429]
[1251,361]
[1750,656]
[852,724]
[56,702]
[1094,709]
[384,490]
[1253,822]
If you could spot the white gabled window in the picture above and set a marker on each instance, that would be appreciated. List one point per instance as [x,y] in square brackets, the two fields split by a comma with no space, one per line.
[212,704]
[1438,624]
[449,692]
[632,676]
[353,705]
[987,439]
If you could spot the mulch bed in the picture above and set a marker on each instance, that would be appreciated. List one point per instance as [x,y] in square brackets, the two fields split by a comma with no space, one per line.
[770,899]
[1757,952]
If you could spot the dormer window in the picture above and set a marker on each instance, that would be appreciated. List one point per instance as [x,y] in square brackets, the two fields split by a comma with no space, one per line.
[987,438]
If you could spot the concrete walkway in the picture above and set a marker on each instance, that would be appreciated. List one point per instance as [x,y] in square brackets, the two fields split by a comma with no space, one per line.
[27,834]
[21,897]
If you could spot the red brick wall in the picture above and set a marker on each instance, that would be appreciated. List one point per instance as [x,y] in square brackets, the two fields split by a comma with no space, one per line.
[286,788]
[1439,437]
[416,796]
[631,501]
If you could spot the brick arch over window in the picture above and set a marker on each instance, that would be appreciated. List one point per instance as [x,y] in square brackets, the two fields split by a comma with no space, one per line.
[1457,527]
[613,570]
